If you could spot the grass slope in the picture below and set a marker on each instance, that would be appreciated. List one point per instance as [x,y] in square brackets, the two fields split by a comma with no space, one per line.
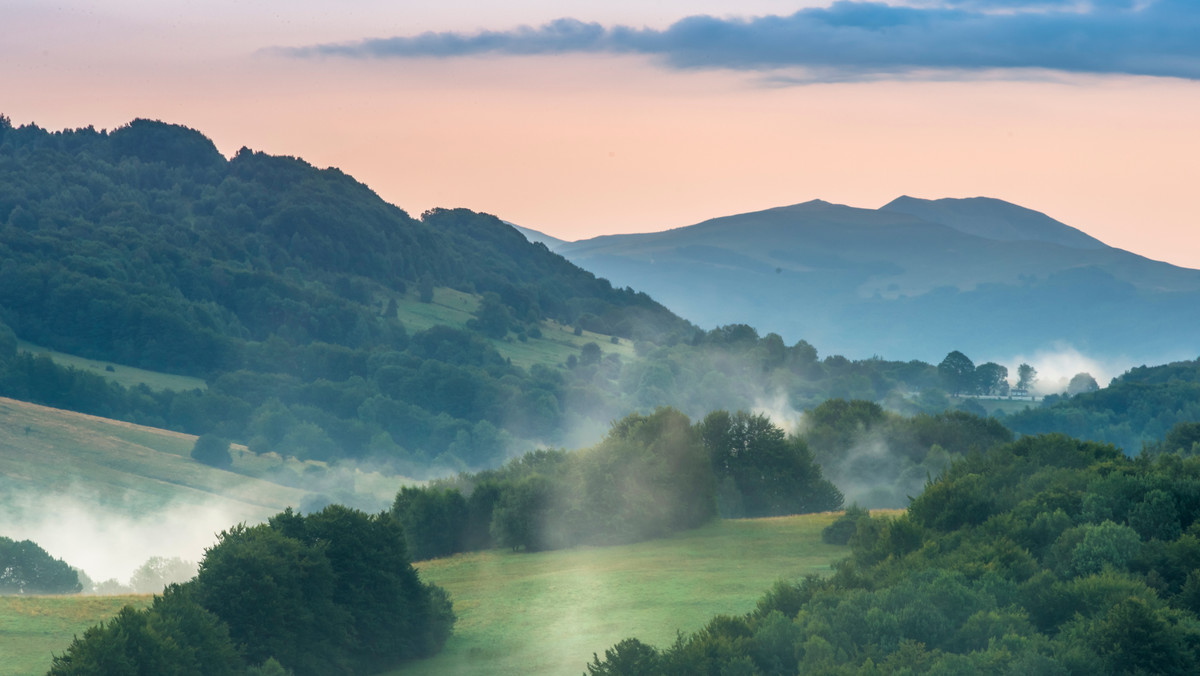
[33,628]
[139,468]
[547,613]
[455,308]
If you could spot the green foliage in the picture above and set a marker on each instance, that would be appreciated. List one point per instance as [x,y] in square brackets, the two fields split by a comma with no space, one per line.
[768,473]
[1138,408]
[146,247]
[650,476]
[26,568]
[839,532]
[881,458]
[212,451]
[328,593]
[174,635]
[434,521]
[957,372]
[967,581]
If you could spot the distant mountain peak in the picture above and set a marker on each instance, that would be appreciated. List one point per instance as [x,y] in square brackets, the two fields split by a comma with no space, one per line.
[994,219]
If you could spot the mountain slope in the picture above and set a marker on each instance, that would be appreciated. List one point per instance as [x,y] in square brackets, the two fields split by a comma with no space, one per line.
[994,219]
[279,284]
[986,277]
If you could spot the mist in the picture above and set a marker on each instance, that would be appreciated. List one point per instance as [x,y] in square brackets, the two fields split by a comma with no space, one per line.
[1057,364]
[110,543]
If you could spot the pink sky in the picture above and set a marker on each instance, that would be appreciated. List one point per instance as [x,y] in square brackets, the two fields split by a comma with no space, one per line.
[585,144]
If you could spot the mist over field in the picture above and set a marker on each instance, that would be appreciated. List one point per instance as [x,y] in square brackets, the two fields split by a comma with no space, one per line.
[109,542]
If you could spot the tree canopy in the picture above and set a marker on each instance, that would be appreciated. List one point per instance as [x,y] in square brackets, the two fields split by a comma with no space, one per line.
[26,568]
[326,593]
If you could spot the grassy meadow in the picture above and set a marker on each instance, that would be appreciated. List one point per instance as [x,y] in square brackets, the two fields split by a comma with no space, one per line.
[33,628]
[527,614]
[547,613]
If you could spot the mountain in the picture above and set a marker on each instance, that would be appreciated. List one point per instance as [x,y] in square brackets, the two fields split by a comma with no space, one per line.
[280,284]
[994,219]
[916,279]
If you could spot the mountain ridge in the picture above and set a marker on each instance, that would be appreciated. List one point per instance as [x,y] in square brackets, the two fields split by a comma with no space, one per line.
[864,280]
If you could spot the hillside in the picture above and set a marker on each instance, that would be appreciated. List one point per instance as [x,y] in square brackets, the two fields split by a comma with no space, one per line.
[76,484]
[1141,406]
[325,323]
[916,278]
[1044,556]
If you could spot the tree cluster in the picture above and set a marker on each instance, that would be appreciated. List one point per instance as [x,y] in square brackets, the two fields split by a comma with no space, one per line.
[26,568]
[1139,407]
[327,593]
[652,475]
[1045,555]
[881,458]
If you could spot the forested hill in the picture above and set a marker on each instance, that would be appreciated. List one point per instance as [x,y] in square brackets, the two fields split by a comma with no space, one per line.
[1147,405]
[278,283]
[146,245]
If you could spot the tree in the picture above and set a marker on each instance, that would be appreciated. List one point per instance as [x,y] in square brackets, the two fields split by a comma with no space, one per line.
[1082,382]
[589,354]
[213,451]
[493,317]
[519,520]
[26,568]
[1026,377]
[327,593]
[158,572]
[772,474]
[425,289]
[957,372]
[992,378]
[175,635]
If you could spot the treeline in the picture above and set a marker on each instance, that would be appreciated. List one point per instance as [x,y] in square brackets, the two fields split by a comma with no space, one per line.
[652,475]
[327,593]
[1046,555]
[880,458]
[1139,407]
[26,568]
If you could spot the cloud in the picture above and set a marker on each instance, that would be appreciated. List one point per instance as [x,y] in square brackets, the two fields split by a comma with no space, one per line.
[860,40]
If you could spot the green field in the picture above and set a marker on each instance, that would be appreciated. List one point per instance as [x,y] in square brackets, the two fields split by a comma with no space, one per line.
[547,613]
[35,627]
[524,614]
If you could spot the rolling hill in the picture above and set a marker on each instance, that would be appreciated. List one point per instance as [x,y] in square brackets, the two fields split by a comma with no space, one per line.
[311,317]
[916,278]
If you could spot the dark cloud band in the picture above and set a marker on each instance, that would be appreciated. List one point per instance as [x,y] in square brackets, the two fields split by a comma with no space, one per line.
[863,39]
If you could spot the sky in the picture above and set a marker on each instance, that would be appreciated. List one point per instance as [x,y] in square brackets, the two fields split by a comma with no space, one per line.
[581,118]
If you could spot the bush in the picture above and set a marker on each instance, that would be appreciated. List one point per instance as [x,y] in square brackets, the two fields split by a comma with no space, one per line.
[839,532]
[213,451]
[26,568]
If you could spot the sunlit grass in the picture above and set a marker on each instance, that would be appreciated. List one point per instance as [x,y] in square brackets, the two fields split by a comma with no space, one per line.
[34,628]
[547,613]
